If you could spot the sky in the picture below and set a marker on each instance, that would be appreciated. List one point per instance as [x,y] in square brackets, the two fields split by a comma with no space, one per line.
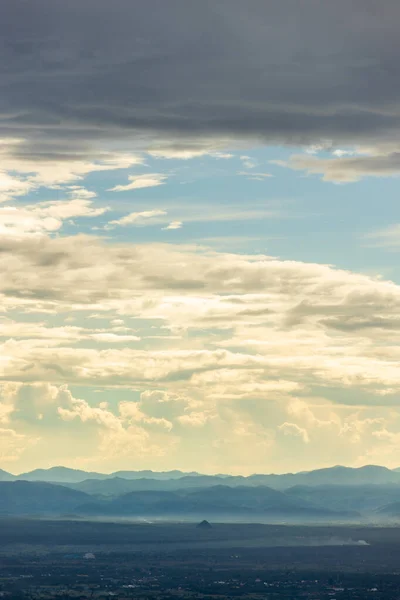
[199,234]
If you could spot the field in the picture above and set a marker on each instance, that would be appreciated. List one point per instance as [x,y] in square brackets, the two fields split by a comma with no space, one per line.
[91,559]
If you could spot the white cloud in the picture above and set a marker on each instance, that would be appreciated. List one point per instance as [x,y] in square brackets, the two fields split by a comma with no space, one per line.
[12,444]
[141,181]
[248,162]
[339,153]
[173,225]
[137,219]
[292,429]
[47,217]
[238,344]
[194,419]
[256,176]
[178,153]
[189,149]
[112,338]
[21,175]
[314,149]
[12,186]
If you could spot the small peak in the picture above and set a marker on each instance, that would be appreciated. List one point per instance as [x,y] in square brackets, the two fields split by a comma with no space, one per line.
[204,525]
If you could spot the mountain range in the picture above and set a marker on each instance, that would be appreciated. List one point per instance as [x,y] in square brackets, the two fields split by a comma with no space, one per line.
[66,475]
[177,479]
[337,493]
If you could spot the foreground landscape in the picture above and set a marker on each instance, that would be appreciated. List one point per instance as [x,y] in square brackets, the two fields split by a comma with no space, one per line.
[80,559]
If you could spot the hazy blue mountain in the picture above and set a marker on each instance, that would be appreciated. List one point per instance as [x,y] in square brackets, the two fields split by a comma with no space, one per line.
[60,475]
[219,501]
[66,475]
[362,498]
[26,497]
[117,485]
[5,476]
[369,474]
[161,475]
[389,510]
[347,476]
[173,480]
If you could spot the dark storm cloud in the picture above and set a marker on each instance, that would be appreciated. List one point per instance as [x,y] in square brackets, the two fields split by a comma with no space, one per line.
[79,73]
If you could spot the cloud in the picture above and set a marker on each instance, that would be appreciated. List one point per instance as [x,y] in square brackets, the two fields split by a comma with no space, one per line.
[12,186]
[223,155]
[174,225]
[12,444]
[312,77]
[225,360]
[47,217]
[141,181]
[248,162]
[187,213]
[194,419]
[24,173]
[236,325]
[340,153]
[255,176]
[179,153]
[388,237]
[292,429]
[137,219]
[346,168]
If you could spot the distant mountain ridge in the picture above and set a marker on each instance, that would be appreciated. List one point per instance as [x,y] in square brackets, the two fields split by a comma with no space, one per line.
[172,480]
[177,500]
[218,501]
[43,499]
[27,498]
[4,476]
[67,475]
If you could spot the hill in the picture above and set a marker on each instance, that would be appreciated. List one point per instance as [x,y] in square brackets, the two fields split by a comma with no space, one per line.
[369,474]
[5,476]
[25,497]
[60,475]
[389,510]
[335,476]
[361,498]
[218,501]
[66,475]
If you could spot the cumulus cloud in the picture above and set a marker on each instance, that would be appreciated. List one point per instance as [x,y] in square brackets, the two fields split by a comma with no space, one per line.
[47,217]
[24,173]
[235,326]
[12,186]
[162,425]
[292,429]
[194,419]
[12,444]
[227,359]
